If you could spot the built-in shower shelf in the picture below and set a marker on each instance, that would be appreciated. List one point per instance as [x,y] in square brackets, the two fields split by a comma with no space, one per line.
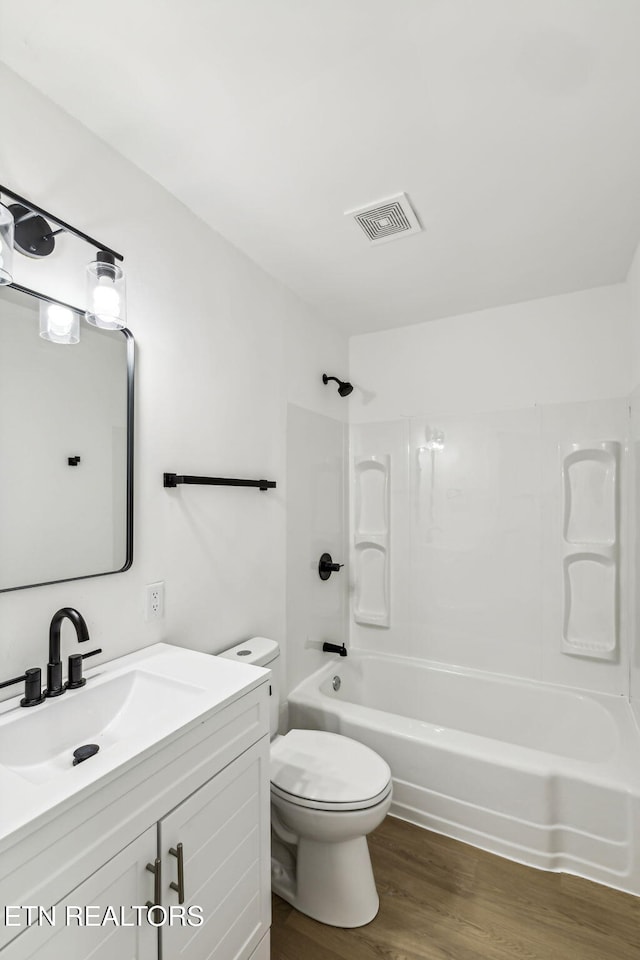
[591,549]
[377,540]
[372,495]
[590,493]
[371,540]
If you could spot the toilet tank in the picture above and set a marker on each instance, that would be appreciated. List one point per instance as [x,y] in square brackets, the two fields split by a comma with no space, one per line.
[261,652]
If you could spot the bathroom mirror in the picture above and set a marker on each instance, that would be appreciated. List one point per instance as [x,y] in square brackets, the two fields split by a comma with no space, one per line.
[66,449]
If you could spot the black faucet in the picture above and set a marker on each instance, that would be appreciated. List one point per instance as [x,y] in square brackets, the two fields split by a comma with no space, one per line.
[334,648]
[54,666]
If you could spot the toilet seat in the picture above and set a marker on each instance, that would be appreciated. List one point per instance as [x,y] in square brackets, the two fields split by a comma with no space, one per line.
[329,805]
[326,771]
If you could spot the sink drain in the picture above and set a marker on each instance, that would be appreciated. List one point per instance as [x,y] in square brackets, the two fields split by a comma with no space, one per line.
[83,753]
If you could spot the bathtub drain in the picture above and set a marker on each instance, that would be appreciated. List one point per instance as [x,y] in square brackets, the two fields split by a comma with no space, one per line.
[335,683]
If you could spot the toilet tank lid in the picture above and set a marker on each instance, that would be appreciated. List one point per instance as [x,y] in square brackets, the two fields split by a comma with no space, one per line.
[259,651]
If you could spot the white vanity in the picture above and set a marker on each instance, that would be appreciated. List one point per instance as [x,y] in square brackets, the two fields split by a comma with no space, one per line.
[173,807]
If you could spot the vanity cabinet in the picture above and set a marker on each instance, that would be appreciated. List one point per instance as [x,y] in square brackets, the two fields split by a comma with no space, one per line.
[118,882]
[203,804]
[224,832]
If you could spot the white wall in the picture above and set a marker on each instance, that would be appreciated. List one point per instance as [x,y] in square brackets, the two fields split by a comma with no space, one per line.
[215,347]
[554,350]
[316,509]
[312,349]
[633,288]
[476,567]
[633,284]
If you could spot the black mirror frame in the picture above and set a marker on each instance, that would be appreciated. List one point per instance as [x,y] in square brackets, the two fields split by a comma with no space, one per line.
[130,345]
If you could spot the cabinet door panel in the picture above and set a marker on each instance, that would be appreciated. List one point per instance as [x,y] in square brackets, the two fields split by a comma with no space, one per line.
[263,950]
[122,882]
[224,830]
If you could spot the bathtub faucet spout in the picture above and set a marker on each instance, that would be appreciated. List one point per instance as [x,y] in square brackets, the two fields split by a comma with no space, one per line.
[334,648]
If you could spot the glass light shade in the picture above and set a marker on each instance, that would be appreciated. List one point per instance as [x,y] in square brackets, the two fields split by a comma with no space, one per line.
[6,245]
[106,302]
[59,324]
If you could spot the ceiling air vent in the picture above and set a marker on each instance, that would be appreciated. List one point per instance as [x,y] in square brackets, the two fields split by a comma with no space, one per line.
[387,219]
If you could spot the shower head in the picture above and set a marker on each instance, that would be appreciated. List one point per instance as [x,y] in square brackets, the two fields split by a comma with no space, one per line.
[344,387]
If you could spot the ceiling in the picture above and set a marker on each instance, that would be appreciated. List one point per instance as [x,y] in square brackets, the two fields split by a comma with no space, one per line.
[513,125]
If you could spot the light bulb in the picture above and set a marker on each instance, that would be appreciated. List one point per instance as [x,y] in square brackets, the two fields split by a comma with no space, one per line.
[60,320]
[106,301]
[59,324]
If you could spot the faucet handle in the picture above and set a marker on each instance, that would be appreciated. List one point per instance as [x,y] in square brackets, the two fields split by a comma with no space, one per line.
[33,694]
[76,679]
[326,566]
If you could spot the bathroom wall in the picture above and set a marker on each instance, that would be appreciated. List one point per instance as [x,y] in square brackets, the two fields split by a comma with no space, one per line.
[316,510]
[554,350]
[633,289]
[633,283]
[476,412]
[217,341]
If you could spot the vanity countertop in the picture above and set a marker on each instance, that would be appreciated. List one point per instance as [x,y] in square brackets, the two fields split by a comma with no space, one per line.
[130,707]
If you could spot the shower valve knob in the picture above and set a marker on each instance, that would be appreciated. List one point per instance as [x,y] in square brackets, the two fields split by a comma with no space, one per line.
[326,566]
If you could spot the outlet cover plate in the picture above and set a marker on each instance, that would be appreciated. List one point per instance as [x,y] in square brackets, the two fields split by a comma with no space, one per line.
[154,601]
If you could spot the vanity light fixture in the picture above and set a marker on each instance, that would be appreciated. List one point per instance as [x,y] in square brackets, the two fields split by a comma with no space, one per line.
[6,245]
[106,304]
[25,227]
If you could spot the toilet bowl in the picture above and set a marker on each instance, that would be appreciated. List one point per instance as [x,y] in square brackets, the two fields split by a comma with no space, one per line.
[327,793]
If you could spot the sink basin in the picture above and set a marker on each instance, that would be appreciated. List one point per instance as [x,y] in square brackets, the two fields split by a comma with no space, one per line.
[105,714]
[129,708]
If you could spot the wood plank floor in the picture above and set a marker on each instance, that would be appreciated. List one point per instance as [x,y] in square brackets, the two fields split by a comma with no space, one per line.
[444,900]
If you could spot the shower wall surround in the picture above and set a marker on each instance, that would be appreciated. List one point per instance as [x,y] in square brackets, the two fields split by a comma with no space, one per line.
[633,282]
[479,546]
[317,610]
[634,551]
[494,566]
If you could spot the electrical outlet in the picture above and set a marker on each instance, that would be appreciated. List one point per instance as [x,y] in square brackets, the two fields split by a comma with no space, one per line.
[154,601]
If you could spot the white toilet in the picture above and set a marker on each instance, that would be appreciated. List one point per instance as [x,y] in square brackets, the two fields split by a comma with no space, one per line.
[327,793]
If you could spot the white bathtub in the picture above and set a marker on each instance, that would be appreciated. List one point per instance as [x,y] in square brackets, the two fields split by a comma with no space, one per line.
[544,775]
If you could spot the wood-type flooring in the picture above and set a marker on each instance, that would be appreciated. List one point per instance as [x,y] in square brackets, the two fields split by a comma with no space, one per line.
[445,900]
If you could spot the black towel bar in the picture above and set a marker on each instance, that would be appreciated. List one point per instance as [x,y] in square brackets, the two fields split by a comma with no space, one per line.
[173,479]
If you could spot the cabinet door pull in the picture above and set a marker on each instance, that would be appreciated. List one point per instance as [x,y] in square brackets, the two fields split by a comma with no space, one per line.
[156,869]
[179,886]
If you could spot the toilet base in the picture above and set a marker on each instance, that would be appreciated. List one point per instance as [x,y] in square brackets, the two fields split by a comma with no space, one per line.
[334,882]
